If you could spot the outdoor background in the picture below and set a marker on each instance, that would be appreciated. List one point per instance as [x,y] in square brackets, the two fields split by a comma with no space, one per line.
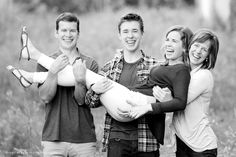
[22,112]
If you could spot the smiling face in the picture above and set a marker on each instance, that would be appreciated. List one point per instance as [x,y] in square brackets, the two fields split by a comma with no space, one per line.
[130,35]
[198,53]
[67,35]
[173,47]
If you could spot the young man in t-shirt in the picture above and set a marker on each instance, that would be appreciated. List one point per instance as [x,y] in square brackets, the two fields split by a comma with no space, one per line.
[69,128]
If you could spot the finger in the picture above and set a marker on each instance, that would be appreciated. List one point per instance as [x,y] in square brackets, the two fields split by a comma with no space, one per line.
[107,83]
[123,110]
[155,95]
[104,79]
[157,87]
[131,114]
[84,63]
[108,87]
[134,115]
[158,96]
[130,102]
[123,114]
[63,56]
[65,61]
[137,116]
[166,90]
[158,91]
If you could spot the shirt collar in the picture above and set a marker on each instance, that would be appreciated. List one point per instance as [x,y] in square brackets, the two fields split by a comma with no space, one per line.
[195,69]
[120,55]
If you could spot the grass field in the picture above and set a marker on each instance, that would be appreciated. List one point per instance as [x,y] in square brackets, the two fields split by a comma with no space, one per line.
[22,114]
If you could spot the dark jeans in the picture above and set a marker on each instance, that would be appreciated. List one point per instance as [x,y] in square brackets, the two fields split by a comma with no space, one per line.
[127,148]
[184,151]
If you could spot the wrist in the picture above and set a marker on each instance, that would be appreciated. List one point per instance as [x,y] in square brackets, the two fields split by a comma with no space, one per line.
[94,90]
[52,73]
[81,82]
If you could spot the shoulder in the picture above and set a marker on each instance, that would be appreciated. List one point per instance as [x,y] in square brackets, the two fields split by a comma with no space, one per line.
[203,75]
[87,58]
[116,59]
[182,68]
[91,63]
[180,71]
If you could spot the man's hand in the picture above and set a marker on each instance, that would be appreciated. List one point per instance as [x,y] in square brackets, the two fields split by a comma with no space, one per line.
[59,63]
[79,70]
[138,111]
[102,86]
[162,94]
[124,112]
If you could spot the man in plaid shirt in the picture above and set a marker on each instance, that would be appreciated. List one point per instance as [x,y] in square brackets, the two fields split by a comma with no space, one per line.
[129,67]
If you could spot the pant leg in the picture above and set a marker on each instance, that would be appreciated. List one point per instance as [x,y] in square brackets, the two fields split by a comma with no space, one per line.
[82,149]
[182,149]
[120,148]
[148,154]
[54,149]
[206,153]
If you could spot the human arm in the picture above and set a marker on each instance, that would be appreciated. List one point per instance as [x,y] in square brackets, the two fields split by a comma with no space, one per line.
[79,70]
[162,94]
[180,84]
[92,98]
[48,89]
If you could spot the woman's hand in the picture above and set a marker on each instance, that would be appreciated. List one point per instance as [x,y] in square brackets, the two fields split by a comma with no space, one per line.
[138,111]
[162,94]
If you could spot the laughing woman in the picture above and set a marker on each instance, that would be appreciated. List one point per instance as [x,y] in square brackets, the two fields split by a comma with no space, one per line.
[194,135]
[192,126]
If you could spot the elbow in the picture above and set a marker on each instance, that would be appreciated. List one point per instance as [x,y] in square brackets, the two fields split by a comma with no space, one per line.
[183,107]
[183,104]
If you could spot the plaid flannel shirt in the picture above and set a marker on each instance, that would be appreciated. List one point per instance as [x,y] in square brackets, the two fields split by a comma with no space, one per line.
[113,70]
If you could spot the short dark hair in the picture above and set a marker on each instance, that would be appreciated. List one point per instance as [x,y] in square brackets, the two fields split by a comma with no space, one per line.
[186,34]
[202,36]
[132,17]
[69,17]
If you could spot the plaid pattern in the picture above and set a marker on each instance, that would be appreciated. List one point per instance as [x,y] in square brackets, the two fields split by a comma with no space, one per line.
[112,70]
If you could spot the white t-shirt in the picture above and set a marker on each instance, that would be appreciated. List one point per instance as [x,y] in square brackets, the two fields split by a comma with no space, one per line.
[192,125]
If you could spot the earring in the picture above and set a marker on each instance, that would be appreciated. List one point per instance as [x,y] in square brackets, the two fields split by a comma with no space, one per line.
[206,60]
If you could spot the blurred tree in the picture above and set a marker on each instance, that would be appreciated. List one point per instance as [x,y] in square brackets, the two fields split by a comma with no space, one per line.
[132,2]
[189,2]
[81,6]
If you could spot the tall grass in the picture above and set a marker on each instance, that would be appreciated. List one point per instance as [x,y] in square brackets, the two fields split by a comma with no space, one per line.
[22,114]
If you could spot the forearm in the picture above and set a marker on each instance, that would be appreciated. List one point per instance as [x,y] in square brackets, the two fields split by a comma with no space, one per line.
[180,92]
[173,105]
[80,92]
[48,89]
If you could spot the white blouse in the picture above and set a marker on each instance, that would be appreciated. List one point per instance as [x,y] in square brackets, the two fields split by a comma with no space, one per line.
[192,125]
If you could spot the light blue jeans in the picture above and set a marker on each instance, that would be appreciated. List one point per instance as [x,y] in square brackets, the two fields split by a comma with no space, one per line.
[66,149]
